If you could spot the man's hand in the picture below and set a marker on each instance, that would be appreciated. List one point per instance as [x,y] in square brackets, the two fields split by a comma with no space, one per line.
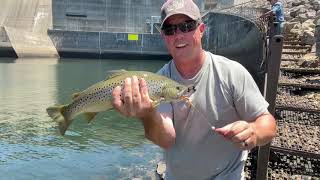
[133,100]
[241,133]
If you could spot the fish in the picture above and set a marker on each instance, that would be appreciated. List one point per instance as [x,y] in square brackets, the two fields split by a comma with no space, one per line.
[98,97]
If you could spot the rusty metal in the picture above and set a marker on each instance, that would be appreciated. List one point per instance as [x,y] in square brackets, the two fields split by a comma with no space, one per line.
[301,85]
[295,152]
[297,42]
[307,47]
[301,70]
[290,59]
[292,108]
[299,82]
[295,162]
[294,52]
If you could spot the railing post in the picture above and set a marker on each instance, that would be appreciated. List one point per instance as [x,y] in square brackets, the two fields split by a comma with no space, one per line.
[272,76]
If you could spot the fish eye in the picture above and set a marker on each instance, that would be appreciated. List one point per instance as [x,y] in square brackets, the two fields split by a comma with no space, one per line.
[178,88]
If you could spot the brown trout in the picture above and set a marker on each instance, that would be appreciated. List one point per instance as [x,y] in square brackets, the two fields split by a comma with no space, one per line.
[98,97]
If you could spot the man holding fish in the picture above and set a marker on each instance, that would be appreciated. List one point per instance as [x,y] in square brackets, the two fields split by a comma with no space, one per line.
[209,137]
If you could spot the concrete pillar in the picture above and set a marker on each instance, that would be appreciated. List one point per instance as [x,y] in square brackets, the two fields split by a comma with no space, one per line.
[317,37]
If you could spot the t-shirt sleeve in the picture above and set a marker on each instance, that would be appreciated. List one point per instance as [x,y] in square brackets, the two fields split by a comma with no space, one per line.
[165,70]
[248,100]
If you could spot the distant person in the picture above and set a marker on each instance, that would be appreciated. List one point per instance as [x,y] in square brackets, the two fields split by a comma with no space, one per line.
[230,117]
[277,11]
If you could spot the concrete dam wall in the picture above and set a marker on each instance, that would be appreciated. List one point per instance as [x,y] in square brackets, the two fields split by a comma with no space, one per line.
[115,29]
[109,45]
[24,25]
[133,16]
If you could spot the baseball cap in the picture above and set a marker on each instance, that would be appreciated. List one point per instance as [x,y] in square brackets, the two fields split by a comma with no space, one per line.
[186,7]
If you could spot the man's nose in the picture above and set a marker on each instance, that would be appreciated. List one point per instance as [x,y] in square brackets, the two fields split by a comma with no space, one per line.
[178,33]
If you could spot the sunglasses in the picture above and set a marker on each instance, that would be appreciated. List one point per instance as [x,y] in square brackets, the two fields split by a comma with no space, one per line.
[187,26]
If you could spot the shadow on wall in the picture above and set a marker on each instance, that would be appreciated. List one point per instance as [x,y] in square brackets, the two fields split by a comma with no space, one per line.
[238,39]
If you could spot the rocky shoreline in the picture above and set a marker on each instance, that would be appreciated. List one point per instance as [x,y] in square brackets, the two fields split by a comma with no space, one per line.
[301,18]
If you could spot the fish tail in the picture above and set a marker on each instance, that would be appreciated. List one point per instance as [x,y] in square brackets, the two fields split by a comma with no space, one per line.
[58,115]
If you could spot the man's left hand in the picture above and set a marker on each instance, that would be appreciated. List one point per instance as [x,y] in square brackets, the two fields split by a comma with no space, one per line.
[241,133]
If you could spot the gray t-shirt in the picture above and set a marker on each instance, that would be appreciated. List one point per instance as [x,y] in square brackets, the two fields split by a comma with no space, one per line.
[225,93]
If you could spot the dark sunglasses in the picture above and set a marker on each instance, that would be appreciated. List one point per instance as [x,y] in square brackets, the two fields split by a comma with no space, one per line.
[187,26]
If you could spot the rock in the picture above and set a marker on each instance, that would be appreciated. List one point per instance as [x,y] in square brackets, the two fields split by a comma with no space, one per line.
[313,63]
[310,57]
[295,11]
[298,3]
[307,38]
[161,169]
[315,5]
[311,14]
[297,29]
[308,25]
[289,25]
[295,20]
[313,48]
[287,16]
[302,17]
[316,18]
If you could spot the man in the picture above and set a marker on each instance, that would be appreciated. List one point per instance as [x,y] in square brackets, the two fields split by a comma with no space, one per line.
[277,10]
[230,117]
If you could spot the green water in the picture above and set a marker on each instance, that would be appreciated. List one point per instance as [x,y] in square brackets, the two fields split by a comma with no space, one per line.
[111,147]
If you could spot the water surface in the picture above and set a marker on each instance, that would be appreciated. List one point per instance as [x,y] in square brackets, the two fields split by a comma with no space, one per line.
[111,147]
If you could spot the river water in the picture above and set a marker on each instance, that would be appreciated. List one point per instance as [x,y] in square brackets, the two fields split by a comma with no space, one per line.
[111,147]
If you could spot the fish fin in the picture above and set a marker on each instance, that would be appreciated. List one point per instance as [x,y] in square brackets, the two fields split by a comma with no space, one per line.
[114,73]
[75,95]
[155,103]
[89,116]
[57,114]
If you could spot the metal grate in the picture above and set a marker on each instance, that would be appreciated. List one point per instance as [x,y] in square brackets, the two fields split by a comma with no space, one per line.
[298,131]
[283,162]
[294,99]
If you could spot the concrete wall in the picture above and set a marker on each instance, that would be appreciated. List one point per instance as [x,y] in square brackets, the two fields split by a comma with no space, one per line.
[107,44]
[26,23]
[220,4]
[232,36]
[3,35]
[30,15]
[6,49]
[106,15]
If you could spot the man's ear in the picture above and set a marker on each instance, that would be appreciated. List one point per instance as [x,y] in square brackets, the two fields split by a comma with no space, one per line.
[202,28]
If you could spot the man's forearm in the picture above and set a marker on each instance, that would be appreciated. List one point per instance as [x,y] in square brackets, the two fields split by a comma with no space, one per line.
[265,128]
[159,129]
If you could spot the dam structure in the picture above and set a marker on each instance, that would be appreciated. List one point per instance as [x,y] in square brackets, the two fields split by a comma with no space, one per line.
[88,29]
[23,28]
[107,28]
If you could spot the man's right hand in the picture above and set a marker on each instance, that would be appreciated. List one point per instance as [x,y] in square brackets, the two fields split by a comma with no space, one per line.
[133,99]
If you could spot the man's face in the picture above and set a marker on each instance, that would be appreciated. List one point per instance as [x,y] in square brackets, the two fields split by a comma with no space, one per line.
[183,46]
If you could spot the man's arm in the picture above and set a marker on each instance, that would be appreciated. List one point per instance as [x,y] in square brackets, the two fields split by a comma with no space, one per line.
[265,128]
[159,129]
[265,16]
[134,101]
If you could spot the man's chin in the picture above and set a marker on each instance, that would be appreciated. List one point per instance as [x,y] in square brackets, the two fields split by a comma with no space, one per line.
[182,57]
